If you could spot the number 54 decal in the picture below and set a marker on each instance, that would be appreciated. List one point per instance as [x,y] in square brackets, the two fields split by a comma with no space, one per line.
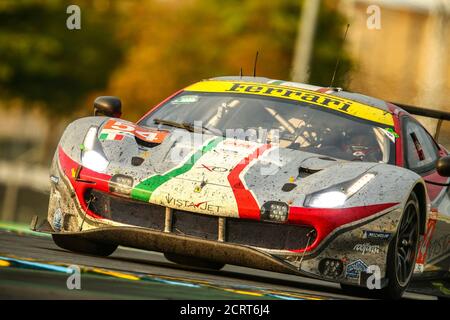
[147,135]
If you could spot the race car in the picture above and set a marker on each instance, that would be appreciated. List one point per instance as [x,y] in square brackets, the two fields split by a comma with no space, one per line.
[262,173]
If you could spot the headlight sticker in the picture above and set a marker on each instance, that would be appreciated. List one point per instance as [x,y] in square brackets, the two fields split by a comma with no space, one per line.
[185,99]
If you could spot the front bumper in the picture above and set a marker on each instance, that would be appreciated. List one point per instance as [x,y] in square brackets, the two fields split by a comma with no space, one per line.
[346,246]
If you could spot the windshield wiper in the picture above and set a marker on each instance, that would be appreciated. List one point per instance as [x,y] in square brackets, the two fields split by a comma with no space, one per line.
[175,124]
[185,125]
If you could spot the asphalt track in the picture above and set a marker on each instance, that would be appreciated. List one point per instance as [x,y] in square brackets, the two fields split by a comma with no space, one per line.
[33,267]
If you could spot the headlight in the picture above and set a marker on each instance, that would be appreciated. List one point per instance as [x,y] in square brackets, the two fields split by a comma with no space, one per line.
[329,199]
[336,196]
[95,161]
[92,155]
[274,211]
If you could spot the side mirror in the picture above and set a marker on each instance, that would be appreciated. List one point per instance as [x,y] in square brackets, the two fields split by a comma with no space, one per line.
[443,166]
[108,106]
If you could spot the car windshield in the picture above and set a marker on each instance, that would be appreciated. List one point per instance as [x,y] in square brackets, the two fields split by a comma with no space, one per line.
[290,124]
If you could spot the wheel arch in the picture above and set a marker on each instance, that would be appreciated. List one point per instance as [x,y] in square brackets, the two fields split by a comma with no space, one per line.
[421,193]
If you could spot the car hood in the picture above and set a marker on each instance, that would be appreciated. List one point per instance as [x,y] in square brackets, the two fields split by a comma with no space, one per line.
[211,174]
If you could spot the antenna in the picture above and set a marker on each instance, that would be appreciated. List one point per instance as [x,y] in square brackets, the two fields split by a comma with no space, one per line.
[254,66]
[240,74]
[338,61]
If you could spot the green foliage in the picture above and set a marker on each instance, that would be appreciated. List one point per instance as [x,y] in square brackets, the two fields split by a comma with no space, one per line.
[144,51]
[181,42]
[44,63]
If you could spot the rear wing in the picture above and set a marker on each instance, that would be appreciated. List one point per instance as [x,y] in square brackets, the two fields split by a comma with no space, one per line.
[437,122]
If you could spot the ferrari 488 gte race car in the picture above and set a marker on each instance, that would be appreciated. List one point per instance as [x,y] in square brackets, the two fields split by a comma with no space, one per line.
[262,173]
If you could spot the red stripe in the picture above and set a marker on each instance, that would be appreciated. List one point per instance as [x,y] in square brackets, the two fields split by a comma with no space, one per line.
[398,130]
[248,208]
[97,180]
[323,90]
[326,220]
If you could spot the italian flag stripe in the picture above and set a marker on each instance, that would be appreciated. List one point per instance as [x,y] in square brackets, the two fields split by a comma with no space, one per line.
[143,191]
[111,136]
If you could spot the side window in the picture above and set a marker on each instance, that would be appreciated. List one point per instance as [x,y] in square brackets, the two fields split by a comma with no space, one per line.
[421,151]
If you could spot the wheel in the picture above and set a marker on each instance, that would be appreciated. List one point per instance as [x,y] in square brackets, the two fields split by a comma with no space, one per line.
[193,262]
[80,245]
[401,256]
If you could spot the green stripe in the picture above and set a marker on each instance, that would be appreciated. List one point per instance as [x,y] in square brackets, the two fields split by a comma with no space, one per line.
[143,191]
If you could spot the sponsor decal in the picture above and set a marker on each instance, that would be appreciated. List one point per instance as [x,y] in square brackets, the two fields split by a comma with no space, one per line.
[110,136]
[438,248]
[376,235]
[355,268]
[54,179]
[189,204]
[115,130]
[186,99]
[367,248]
[57,219]
[419,268]
[212,168]
[426,239]
[324,100]
[391,134]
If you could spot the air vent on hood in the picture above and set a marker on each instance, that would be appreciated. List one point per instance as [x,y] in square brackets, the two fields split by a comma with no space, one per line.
[137,161]
[313,165]
[145,143]
[305,171]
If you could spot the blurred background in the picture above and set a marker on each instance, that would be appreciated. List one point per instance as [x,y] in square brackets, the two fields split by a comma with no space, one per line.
[142,51]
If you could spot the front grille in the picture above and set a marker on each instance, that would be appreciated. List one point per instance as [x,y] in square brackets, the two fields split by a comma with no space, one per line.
[268,235]
[239,231]
[196,225]
[126,211]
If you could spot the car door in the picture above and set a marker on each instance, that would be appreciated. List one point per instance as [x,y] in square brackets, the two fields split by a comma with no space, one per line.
[421,153]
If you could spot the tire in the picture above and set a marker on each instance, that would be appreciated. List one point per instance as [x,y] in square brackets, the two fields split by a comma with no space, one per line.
[193,262]
[80,245]
[401,256]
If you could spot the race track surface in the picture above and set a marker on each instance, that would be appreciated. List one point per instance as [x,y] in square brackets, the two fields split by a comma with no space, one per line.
[33,267]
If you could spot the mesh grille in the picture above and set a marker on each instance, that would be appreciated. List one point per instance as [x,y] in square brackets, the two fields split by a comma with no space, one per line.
[239,231]
[126,211]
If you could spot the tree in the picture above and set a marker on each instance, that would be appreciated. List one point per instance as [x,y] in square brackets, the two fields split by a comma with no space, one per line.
[176,43]
[45,64]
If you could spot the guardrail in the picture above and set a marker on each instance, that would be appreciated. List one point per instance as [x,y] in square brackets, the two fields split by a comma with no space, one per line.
[16,175]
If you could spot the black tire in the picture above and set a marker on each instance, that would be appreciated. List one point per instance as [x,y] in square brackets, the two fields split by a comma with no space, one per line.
[401,256]
[193,262]
[80,245]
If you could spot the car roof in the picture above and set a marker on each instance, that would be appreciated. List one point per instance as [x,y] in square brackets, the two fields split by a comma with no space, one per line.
[358,97]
